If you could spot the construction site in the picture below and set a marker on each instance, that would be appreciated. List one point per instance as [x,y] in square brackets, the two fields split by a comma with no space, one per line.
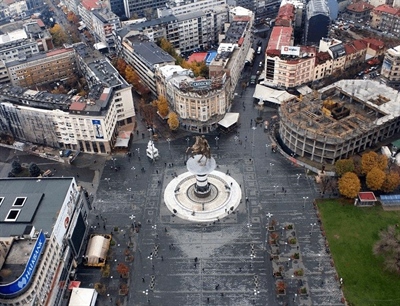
[340,120]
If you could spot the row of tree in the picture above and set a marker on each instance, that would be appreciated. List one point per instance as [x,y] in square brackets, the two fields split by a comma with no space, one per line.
[16,169]
[378,172]
[148,110]
[198,68]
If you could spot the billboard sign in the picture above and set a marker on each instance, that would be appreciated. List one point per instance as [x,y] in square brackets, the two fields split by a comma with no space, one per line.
[199,85]
[98,129]
[25,278]
[289,50]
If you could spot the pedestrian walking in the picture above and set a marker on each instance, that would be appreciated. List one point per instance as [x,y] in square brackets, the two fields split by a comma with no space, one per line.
[165,230]
[195,259]
[162,258]
[143,279]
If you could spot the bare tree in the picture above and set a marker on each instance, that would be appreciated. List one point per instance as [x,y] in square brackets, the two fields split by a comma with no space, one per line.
[388,246]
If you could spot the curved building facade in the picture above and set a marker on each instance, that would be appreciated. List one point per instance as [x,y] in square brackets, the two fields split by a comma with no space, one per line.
[340,120]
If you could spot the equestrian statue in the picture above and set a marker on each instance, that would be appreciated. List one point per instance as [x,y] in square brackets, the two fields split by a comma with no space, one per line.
[200,147]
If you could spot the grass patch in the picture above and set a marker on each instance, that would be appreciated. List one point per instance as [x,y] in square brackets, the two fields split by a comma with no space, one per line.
[351,232]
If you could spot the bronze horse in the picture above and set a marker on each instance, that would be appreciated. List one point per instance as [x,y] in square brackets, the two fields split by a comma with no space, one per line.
[202,147]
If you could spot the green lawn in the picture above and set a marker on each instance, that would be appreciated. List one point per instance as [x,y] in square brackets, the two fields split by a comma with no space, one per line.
[351,232]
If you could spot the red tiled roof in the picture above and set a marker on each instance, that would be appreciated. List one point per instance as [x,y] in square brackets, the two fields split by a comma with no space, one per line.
[197,57]
[77,106]
[285,15]
[373,43]
[355,46]
[384,8]
[40,23]
[91,4]
[360,7]
[367,196]
[280,36]
[322,57]
[58,51]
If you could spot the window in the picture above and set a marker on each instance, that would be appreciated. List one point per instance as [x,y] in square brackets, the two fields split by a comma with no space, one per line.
[12,215]
[19,202]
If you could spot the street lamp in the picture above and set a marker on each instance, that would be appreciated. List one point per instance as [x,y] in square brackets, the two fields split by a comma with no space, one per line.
[138,151]
[270,168]
[268,215]
[108,181]
[275,186]
[253,128]
[216,140]
[266,148]
[304,203]
[113,159]
[298,177]
[187,141]
[169,144]
[312,226]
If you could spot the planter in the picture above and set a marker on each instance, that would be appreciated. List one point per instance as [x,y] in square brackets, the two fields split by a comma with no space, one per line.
[299,272]
[292,240]
[281,292]
[123,291]
[303,291]
[271,228]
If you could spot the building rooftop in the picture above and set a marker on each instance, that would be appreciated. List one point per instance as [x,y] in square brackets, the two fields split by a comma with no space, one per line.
[317,7]
[359,7]
[235,32]
[39,56]
[347,108]
[188,16]
[280,36]
[91,4]
[197,57]
[388,9]
[37,202]
[12,36]
[149,52]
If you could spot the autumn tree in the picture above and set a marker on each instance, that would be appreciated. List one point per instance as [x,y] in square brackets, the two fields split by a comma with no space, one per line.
[349,185]
[375,178]
[58,35]
[198,68]
[71,17]
[167,47]
[371,160]
[344,165]
[173,121]
[122,269]
[120,65]
[392,181]
[148,111]
[388,246]
[131,76]
[162,106]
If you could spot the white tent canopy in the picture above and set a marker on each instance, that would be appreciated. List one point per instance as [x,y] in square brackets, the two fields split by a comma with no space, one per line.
[83,297]
[97,249]
[229,120]
[267,94]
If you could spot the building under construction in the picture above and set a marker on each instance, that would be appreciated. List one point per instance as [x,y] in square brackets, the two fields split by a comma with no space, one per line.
[340,120]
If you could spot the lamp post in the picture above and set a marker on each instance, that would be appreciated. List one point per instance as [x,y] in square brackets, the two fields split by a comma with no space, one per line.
[304,202]
[268,215]
[266,148]
[253,128]
[108,181]
[113,159]
[253,144]
[312,226]
[298,177]
[216,141]
[270,167]
[275,186]
[187,141]
[169,144]
[138,151]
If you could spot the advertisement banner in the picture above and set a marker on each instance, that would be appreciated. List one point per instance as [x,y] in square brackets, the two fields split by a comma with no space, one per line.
[98,129]
[289,50]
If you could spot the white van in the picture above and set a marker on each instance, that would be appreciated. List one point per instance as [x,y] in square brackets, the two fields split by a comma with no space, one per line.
[259,50]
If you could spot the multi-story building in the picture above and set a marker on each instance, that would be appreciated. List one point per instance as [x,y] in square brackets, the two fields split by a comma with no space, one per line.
[386,18]
[15,9]
[340,120]
[262,9]
[89,124]
[317,22]
[234,47]
[323,66]
[356,52]
[104,24]
[358,10]
[200,103]
[185,7]
[390,73]
[141,8]
[145,56]
[85,8]
[187,31]
[43,68]
[44,223]
[336,50]
[289,67]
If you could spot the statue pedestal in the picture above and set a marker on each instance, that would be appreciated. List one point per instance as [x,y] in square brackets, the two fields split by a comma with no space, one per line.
[201,167]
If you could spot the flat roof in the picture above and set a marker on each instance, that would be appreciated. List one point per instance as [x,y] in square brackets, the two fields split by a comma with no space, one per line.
[367,196]
[150,52]
[197,57]
[43,199]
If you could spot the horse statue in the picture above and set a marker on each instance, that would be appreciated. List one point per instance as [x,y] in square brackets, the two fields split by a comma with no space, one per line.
[202,147]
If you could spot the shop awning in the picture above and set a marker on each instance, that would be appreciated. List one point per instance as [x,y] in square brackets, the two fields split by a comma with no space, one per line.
[267,94]
[229,120]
